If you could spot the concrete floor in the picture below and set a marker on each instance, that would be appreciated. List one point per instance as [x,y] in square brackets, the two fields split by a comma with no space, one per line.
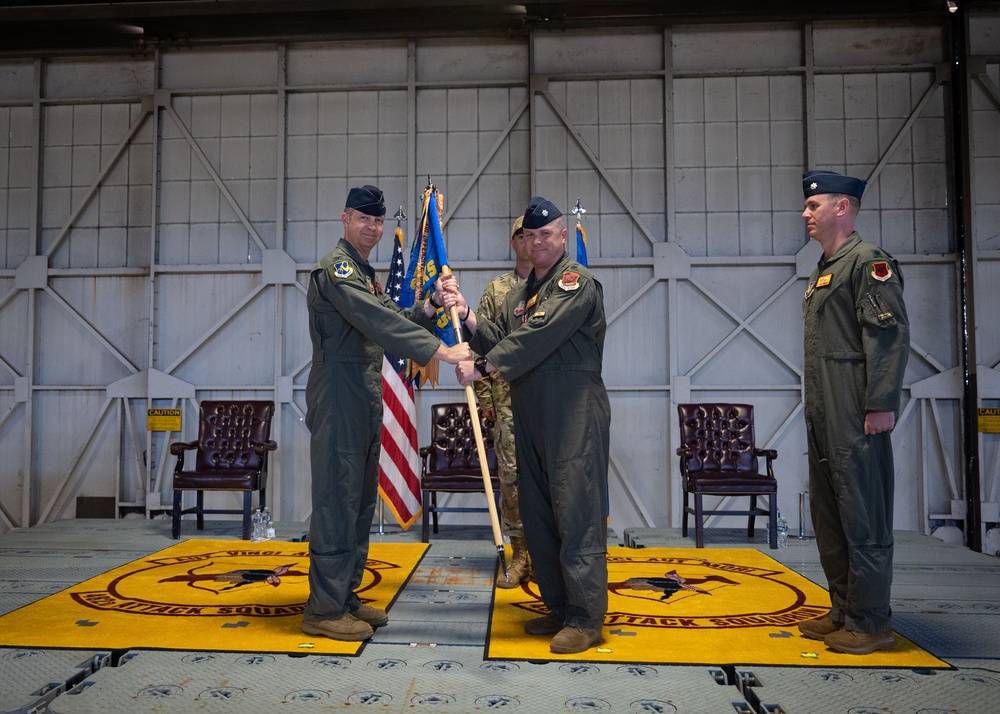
[430,658]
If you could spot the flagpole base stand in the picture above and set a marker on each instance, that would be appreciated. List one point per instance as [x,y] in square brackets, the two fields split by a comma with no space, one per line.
[384,529]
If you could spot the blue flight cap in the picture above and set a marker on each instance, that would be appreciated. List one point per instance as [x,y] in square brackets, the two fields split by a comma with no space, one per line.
[540,212]
[814,182]
[367,199]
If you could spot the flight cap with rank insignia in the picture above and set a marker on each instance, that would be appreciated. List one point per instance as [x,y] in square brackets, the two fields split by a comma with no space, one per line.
[540,212]
[821,181]
[367,199]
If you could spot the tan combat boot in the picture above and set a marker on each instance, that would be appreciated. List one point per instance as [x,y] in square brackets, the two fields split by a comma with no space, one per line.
[520,569]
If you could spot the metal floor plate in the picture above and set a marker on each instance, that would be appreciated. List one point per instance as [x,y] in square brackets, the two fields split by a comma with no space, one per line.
[31,678]
[873,691]
[395,678]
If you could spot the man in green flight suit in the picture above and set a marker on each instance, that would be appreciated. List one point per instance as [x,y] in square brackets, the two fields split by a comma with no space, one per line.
[351,322]
[494,399]
[548,342]
[856,346]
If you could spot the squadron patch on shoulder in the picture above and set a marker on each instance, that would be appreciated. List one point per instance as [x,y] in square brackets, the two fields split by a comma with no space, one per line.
[343,269]
[881,271]
[570,281]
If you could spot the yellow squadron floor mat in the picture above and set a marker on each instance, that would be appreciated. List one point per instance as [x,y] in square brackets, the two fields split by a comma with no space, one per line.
[226,596]
[712,606]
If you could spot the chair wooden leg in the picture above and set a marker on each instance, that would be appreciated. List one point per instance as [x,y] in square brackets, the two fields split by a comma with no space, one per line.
[247,504]
[772,520]
[175,527]
[684,518]
[750,522]
[434,513]
[200,515]
[699,522]
[425,518]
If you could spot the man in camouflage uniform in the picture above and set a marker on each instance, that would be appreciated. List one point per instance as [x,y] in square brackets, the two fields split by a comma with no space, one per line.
[548,342]
[856,347]
[351,322]
[494,400]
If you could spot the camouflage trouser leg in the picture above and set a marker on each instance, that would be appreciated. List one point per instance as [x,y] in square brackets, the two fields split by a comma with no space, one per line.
[503,435]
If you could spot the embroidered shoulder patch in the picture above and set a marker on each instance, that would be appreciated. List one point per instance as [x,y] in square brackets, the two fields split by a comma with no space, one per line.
[881,271]
[570,281]
[343,269]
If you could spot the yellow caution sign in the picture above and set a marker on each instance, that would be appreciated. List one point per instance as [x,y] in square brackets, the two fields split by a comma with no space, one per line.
[163,419]
[989,420]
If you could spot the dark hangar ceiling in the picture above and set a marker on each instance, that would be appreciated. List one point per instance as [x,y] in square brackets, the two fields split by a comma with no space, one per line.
[50,26]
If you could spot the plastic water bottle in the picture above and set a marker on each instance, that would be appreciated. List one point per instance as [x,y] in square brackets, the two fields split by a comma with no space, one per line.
[782,531]
[268,524]
[257,534]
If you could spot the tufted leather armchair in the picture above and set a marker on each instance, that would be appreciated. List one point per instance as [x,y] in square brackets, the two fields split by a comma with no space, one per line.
[230,455]
[451,463]
[719,457]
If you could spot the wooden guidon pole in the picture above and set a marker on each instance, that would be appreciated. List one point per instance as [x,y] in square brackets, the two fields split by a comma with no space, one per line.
[477,429]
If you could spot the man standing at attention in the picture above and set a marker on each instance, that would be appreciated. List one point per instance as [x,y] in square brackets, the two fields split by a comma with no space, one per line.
[548,342]
[351,322]
[856,346]
[494,399]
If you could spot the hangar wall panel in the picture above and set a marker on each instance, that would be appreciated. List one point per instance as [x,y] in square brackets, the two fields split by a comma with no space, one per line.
[159,216]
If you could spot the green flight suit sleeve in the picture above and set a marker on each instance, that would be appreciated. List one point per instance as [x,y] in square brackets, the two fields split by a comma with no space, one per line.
[402,332]
[487,309]
[885,331]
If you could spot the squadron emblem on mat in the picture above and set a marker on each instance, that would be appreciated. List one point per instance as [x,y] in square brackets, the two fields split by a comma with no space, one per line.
[697,593]
[214,583]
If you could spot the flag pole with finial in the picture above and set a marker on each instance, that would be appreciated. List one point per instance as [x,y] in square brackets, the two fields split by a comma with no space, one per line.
[477,427]
[581,235]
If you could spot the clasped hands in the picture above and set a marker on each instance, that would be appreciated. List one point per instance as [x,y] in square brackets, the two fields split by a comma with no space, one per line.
[448,296]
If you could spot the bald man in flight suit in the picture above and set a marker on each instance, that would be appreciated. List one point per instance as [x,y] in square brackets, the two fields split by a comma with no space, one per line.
[857,341]
[351,323]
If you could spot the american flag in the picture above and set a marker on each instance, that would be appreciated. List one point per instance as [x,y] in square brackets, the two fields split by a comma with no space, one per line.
[399,462]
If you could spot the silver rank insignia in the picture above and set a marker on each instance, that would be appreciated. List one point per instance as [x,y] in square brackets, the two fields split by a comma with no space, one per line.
[343,269]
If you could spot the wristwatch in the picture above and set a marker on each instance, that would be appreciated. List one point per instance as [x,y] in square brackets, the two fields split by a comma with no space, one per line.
[481,366]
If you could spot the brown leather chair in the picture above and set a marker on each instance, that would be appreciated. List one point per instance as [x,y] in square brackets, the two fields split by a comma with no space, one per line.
[451,463]
[230,455]
[719,457]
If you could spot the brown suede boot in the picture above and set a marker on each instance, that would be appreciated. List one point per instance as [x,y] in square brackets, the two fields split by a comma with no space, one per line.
[374,616]
[346,627]
[520,569]
[820,627]
[574,639]
[860,643]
